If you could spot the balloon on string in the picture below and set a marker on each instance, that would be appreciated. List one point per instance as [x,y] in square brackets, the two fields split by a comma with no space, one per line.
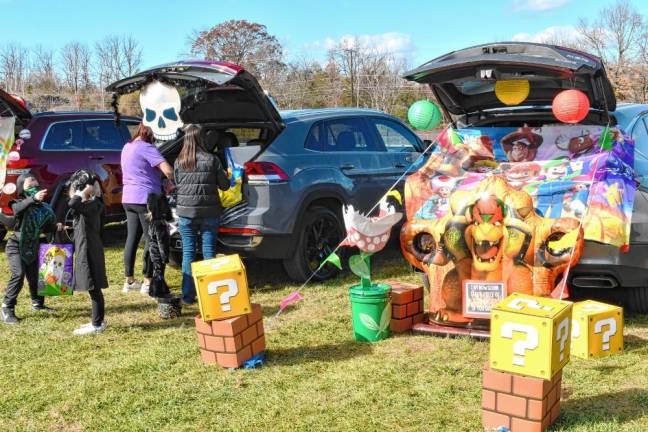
[424,115]
[512,92]
[570,106]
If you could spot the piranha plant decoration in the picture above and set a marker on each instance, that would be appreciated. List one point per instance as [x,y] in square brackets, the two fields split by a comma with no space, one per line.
[370,302]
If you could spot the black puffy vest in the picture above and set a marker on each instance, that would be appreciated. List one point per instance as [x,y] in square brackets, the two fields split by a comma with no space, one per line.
[197,190]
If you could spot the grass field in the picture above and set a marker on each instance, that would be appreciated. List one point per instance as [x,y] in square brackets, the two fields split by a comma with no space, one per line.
[145,373]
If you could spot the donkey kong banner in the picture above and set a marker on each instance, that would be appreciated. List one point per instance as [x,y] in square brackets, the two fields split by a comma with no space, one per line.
[500,210]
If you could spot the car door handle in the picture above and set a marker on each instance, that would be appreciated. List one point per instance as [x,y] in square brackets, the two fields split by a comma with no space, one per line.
[96,157]
[347,166]
[400,165]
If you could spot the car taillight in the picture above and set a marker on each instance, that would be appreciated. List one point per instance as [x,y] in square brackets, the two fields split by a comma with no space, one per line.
[239,231]
[264,172]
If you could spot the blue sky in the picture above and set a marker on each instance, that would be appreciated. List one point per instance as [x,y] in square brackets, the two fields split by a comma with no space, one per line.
[419,30]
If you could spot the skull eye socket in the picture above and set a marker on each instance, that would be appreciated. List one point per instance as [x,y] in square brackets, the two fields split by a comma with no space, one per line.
[150,115]
[170,114]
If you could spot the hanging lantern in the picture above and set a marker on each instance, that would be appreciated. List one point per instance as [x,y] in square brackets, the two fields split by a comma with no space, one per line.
[570,106]
[424,115]
[512,92]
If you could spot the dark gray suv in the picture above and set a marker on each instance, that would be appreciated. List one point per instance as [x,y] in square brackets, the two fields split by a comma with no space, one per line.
[300,166]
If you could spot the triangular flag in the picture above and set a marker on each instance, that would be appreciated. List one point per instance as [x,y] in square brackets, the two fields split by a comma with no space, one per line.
[605,139]
[334,259]
[290,298]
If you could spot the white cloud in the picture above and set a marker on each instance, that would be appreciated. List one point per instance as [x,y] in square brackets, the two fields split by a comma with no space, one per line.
[399,44]
[537,5]
[555,34]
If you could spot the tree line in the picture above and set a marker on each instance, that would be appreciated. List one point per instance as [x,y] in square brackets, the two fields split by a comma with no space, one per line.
[353,74]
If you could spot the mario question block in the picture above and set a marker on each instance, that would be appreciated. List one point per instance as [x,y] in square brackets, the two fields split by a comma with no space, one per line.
[597,330]
[221,285]
[530,335]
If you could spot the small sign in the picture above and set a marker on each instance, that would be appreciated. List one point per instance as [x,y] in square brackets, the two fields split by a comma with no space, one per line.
[479,297]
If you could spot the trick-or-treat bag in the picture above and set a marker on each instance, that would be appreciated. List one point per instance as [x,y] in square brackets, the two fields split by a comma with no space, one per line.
[234,194]
[55,269]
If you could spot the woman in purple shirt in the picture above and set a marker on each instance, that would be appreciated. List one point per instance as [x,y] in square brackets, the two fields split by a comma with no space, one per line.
[142,166]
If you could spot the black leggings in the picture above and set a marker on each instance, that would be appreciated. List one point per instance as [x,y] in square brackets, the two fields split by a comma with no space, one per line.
[136,225]
[97,306]
[19,272]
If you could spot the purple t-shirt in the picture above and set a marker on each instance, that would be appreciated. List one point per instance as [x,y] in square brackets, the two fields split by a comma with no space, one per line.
[139,162]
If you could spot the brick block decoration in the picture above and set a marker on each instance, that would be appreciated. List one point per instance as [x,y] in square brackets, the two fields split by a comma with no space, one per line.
[407,306]
[231,342]
[520,403]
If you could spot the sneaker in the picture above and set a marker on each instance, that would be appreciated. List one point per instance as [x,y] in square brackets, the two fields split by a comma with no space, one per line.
[42,308]
[87,329]
[133,286]
[146,287]
[9,315]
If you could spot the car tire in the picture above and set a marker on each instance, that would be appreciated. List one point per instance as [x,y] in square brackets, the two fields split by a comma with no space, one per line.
[64,214]
[636,300]
[319,234]
[175,259]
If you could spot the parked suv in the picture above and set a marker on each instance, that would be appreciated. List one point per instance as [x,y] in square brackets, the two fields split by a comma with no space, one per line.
[55,144]
[300,166]
[463,84]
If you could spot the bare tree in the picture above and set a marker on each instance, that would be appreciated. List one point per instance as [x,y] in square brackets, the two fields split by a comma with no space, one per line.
[132,56]
[14,67]
[347,54]
[43,73]
[75,60]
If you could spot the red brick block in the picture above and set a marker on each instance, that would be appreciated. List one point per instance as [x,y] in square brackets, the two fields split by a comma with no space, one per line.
[248,335]
[233,344]
[418,318]
[497,381]
[260,330]
[513,405]
[521,425]
[401,295]
[558,390]
[488,400]
[412,309]
[537,409]
[417,293]
[399,311]
[258,345]
[492,420]
[234,360]
[535,388]
[202,326]
[214,343]
[555,412]
[208,357]
[400,325]
[201,339]
[256,314]
[230,326]
[551,398]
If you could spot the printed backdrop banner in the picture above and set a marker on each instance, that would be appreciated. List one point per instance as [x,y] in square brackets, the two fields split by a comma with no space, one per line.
[7,131]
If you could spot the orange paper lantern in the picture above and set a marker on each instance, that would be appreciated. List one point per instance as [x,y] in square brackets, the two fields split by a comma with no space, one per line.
[570,106]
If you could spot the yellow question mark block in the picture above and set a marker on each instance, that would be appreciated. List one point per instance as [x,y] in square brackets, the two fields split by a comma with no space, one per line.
[221,286]
[530,335]
[597,329]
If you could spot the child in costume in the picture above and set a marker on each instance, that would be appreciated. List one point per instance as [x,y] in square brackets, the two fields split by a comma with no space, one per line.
[32,217]
[89,260]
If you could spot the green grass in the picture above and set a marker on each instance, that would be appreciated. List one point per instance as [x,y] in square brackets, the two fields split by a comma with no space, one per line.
[145,373]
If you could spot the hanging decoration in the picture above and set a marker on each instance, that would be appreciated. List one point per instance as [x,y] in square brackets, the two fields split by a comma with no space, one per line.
[512,92]
[424,115]
[570,106]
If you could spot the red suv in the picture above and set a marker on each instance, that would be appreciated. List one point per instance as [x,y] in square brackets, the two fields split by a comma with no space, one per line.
[53,145]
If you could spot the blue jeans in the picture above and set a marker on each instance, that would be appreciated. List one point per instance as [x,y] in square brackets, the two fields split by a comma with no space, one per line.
[189,230]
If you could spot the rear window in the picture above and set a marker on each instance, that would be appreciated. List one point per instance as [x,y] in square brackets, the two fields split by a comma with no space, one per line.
[64,136]
[395,137]
[341,135]
[86,135]
[102,135]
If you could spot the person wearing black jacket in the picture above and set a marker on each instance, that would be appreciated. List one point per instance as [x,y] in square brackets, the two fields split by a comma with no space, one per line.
[32,217]
[199,174]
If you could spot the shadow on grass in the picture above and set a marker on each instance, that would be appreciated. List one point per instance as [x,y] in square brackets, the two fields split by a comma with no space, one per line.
[624,406]
[635,343]
[320,353]
[73,312]
[186,320]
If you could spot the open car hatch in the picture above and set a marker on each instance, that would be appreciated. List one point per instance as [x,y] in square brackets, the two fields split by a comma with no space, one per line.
[217,93]
[464,81]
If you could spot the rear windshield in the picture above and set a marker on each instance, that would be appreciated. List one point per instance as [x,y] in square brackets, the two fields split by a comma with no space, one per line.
[247,136]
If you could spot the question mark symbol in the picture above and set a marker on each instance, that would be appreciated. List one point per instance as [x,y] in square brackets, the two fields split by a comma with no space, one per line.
[607,334]
[519,347]
[232,290]
[516,303]
[562,333]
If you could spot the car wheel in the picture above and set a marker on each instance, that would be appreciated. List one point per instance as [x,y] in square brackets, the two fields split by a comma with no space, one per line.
[319,234]
[636,299]
[64,215]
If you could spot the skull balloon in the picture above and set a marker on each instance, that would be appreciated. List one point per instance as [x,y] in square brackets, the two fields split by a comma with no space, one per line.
[161,108]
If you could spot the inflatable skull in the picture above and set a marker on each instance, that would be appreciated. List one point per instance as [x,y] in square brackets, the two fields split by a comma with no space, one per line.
[161,108]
